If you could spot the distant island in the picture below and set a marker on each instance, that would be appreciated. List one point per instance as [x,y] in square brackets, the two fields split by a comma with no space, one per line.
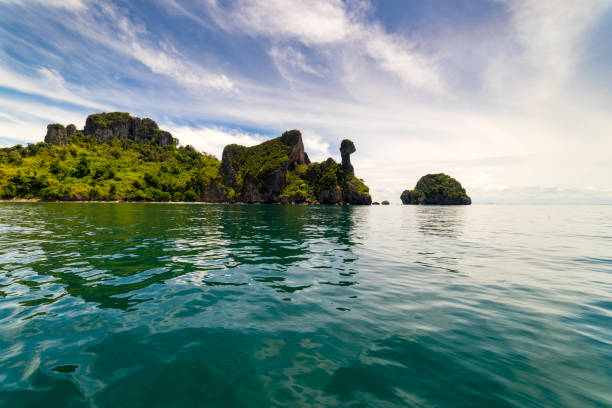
[119,157]
[436,189]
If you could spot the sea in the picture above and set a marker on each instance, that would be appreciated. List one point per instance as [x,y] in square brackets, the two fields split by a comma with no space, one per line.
[212,305]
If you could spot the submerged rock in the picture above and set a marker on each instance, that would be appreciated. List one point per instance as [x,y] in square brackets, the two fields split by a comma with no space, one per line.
[439,189]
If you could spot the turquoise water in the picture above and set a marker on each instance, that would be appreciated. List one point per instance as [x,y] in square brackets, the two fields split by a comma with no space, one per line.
[126,305]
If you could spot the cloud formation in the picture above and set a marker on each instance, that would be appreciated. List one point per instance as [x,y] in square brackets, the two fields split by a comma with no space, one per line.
[514,101]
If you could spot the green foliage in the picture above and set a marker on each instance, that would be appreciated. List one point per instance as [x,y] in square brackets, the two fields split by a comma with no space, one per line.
[105,119]
[190,195]
[358,185]
[258,162]
[324,176]
[308,182]
[298,189]
[436,189]
[87,169]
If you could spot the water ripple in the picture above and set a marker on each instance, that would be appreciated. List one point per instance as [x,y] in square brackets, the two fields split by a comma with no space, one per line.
[153,304]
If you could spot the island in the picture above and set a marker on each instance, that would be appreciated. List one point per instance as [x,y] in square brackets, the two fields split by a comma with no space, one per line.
[436,189]
[119,157]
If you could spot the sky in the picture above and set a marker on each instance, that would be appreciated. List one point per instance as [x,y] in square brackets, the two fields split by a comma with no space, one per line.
[512,98]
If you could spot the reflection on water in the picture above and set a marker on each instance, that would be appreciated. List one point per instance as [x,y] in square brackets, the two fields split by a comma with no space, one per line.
[441,221]
[263,305]
[103,254]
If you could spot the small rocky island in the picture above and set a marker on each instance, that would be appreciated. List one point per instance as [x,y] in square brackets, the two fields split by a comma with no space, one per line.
[436,189]
[120,157]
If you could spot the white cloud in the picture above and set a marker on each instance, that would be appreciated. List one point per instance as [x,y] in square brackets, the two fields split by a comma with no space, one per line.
[288,59]
[325,24]
[308,21]
[48,83]
[66,4]
[547,38]
[27,121]
[124,36]
[211,139]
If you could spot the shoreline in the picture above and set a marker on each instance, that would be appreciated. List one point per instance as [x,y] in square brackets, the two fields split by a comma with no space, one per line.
[40,200]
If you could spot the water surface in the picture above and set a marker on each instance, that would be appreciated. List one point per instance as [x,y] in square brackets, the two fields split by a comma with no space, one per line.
[124,305]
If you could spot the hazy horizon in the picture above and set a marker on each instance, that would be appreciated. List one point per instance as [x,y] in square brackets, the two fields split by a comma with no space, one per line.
[512,98]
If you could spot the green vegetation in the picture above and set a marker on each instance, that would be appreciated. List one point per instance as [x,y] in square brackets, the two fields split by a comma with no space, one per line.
[307,182]
[124,158]
[109,119]
[257,163]
[436,189]
[298,188]
[119,169]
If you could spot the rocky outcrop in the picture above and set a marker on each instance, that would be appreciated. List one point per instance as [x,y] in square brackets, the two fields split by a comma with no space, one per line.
[70,130]
[436,189]
[258,174]
[56,134]
[346,149]
[213,193]
[122,125]
[113,125]
[280,171]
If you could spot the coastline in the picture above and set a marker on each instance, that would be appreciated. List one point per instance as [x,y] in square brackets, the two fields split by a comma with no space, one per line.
[40,200]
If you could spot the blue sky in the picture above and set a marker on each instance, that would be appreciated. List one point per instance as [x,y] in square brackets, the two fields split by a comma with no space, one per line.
[513,98]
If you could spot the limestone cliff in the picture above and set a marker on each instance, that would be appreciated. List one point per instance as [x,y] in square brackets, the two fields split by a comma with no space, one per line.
[113,125]
[258,174]
[56,134]
[280,171]
[275,171]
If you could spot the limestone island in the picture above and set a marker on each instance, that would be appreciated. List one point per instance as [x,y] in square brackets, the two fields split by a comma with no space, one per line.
[119,157]
[436,189]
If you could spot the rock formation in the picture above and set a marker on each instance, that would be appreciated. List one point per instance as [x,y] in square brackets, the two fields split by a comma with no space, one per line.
[70,130]
[113,125]
[276,171]
[439,189]
[258,174]
[346,149]
[56,134]
[280,171]
[122,125]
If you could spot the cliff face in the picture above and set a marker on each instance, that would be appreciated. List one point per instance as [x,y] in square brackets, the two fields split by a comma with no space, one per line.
[121,125]
[280,171]
[56,134]
[113,125]
[436,189]
[258,174]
